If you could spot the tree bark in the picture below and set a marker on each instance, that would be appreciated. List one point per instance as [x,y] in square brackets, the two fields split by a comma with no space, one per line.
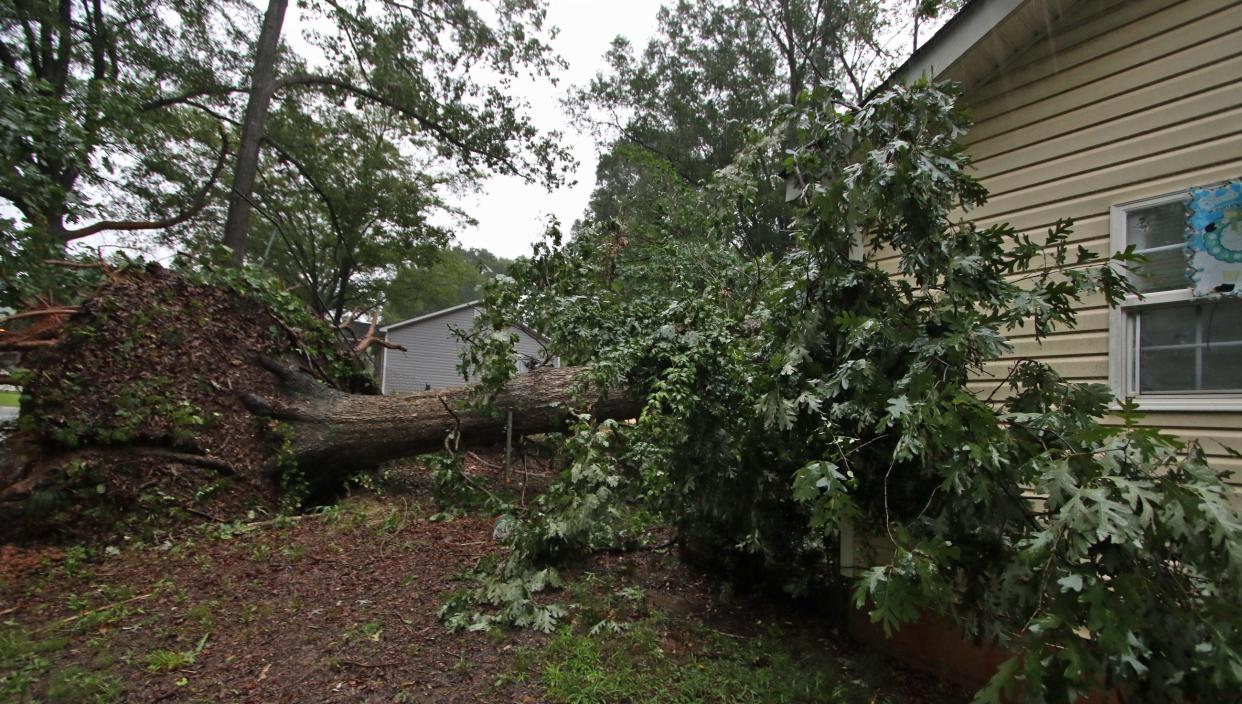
[330,431]
[263,82]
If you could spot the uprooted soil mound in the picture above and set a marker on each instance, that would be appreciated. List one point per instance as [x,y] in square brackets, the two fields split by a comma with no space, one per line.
[138,402]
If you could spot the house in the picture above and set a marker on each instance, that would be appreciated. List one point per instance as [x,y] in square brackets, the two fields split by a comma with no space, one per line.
[433,351]
[1126,116]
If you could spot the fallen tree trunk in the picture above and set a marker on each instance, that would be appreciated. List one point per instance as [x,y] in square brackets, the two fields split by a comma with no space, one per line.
[328,430]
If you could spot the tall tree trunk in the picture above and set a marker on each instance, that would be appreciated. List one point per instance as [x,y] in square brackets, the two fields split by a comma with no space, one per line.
[263,78]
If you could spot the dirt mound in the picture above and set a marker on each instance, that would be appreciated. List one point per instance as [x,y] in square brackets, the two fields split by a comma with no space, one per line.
[138,404]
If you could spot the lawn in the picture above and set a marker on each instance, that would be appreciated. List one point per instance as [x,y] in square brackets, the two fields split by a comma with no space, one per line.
[9,398]
[341,605]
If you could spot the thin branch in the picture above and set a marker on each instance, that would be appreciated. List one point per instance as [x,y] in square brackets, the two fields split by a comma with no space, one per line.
[188,96]
[427,123]
[199,203]
[36,313]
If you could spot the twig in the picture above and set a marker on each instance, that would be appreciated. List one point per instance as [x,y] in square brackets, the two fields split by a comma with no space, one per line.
[186,458]
[456,435]
[21,345]
[482,461]
[38,312]
[364,664]
[480,487]
[75,617]
[204,514]
[76,265]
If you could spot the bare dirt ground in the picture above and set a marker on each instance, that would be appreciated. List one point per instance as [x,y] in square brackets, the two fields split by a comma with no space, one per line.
[341,606]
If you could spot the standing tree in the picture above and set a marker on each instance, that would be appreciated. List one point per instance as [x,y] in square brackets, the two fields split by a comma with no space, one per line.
[343,215]
[91,139]
[419,61]
[118,115]
[712,75]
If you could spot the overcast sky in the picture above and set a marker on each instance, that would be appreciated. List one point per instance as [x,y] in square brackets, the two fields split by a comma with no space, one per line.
[510,213]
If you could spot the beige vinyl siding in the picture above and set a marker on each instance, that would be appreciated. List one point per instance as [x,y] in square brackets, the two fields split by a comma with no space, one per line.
[1130,100]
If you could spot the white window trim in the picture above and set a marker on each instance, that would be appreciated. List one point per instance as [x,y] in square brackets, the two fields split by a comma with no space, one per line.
[1122,332]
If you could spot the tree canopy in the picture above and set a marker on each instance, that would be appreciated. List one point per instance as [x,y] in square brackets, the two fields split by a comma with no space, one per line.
[124,115]
[683,107]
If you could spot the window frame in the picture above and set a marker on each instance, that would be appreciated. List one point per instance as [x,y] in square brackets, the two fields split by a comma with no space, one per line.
[1123,338]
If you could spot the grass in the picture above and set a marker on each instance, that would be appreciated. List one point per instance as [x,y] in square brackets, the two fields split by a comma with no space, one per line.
[168,660]
[27,671]
[10,398]
[638,665]
[618,649]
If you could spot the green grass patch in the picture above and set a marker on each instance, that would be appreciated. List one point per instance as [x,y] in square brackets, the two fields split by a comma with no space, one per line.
[10,398]
[75,684]
[653,661]
[27,672]
[168,660]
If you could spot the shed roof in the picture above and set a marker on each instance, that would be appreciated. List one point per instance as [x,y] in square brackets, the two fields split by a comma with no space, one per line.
[429,316]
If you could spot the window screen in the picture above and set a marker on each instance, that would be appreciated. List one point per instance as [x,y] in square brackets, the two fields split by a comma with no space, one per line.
[1190,347]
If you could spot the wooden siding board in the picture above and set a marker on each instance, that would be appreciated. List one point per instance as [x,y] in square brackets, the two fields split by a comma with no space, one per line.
[1085,21]
[1104,134]
[1097,204]
[1113,177]
[1211,130]
[1202,67]
[1113,29]
[1166,50]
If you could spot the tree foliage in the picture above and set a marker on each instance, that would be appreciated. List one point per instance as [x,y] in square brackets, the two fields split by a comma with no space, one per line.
[457,275]
[682,107]
[121,115]
[88,142]
[841,385]
[341,208]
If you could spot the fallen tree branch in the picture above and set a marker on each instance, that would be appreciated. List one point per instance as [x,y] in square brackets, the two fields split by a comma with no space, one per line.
[371,338]
[38,312]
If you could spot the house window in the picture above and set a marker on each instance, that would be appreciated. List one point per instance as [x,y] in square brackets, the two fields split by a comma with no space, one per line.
[1168,349]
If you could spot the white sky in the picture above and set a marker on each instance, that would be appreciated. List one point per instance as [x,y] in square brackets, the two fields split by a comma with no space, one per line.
[510,213]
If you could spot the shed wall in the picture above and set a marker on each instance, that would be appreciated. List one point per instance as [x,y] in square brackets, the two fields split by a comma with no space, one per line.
[433,353]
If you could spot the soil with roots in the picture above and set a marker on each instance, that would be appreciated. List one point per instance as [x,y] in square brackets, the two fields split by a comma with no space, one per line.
[135,416]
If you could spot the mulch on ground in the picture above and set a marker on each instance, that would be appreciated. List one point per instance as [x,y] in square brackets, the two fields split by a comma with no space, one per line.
[330,608]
